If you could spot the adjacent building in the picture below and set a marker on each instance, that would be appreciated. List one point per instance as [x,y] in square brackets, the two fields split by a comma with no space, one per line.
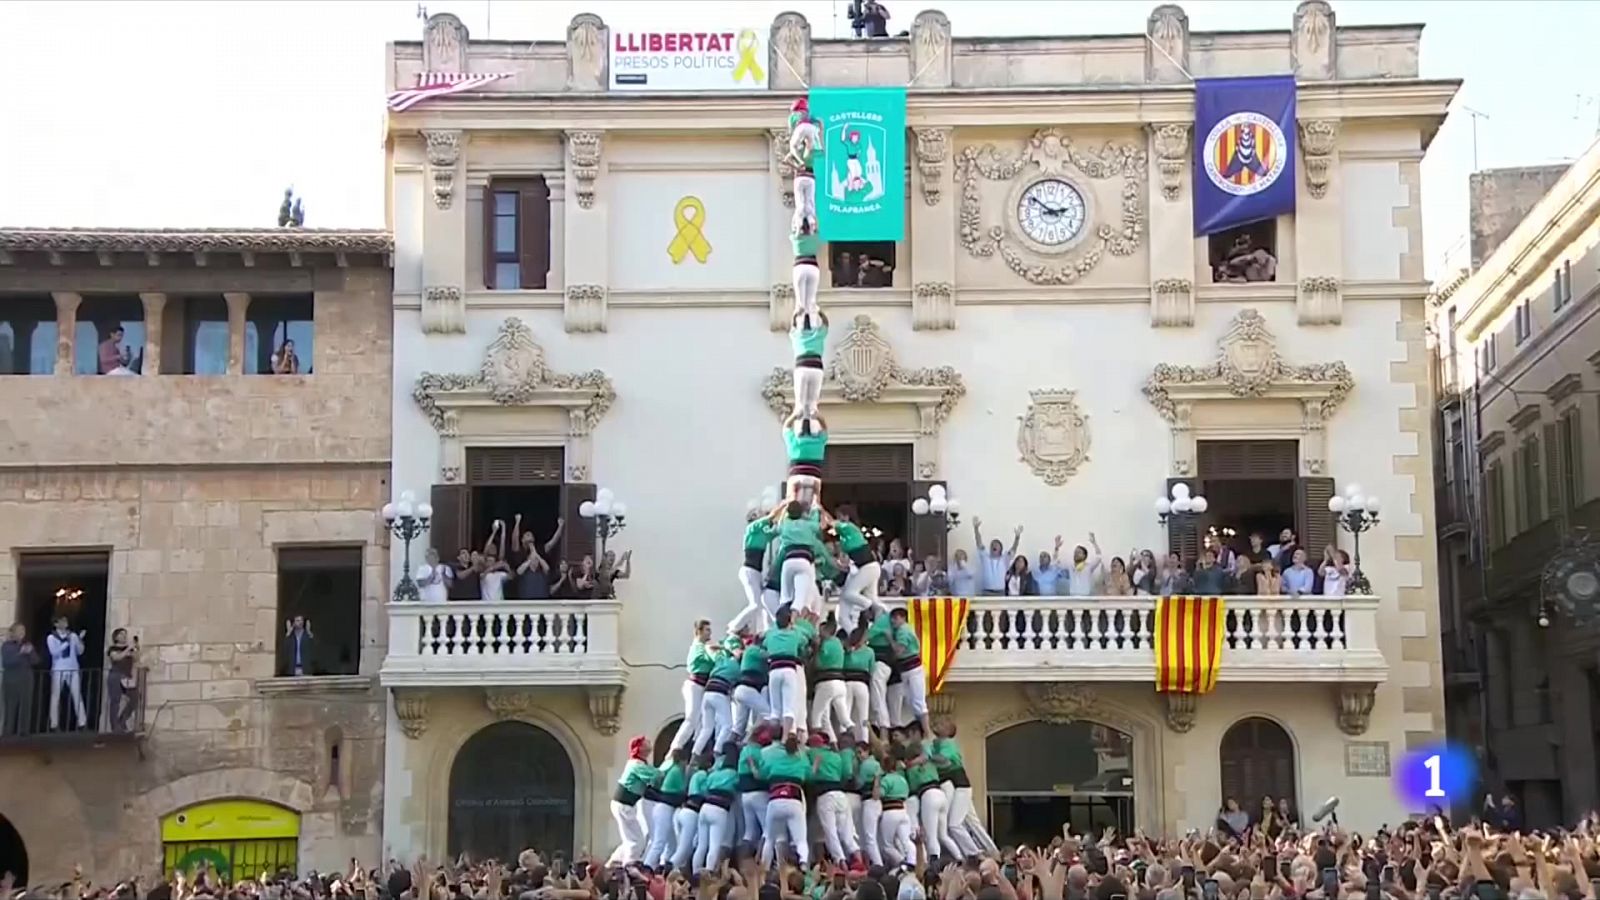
[193,447]
[592,270]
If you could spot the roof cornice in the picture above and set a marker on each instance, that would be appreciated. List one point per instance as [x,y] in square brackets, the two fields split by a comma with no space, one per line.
[57,244]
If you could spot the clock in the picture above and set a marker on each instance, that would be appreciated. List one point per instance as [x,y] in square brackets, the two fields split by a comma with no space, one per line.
[1051,212]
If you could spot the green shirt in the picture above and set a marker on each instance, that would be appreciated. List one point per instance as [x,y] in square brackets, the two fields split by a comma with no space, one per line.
[831,766]
[778,764]
[722,780]
[697,783]
[910,648]
[830,655]
[866,770]
[861,659]
[754,661]
[758,534]
[783,642]
[806,244]
[809,341]
[946,749]
[636,776]
[921,774]
[811,448]
[726,668]
[878,634]
[750,761]
[850,537]
[675,779]
[807,628]
[700,661]
[893,786]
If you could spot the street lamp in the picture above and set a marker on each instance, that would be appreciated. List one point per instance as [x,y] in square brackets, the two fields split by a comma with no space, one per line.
[1357,513]
[608,514]
[1181,505]
[406,519]
[937,503]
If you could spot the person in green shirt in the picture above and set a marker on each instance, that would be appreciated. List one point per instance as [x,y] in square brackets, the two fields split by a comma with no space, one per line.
[860,589]
[670,791]
[800,548]
[913,693]
[858,663]
[869,808]
[832,770]
[687,821]
[637,775]
[716,709]
[749,702]
[809,344]
[786,767]
[965,827]
[830,703]
[932,806]
[806,439]
[805,152]
[894,828]
[877,637]
[758,535]
[785,648]
[694,687]
[753,785]
[716,817]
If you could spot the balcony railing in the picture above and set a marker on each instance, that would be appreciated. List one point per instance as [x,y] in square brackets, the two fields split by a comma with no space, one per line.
[38,706]
[517,642]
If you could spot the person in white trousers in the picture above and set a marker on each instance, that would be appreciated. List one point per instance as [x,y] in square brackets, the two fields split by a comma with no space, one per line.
[752,785]
[966,829]
[626,799]
[832,777]
[785,646]
[750,706]
[869,809]
[716,816]
[894,828]
[860,591]
[669,793]
[786,768]
[907,655]
[758,535]
[716,705]
[687,820]
[930,804]
[877,638]
[859,661]
[699,665]
[830,704]
[66,672]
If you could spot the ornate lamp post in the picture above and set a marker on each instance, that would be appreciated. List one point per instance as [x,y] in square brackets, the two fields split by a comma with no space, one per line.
[1357,513]
[937,503]
[406,519]
[1182,505]
[608,514]
[1570,582]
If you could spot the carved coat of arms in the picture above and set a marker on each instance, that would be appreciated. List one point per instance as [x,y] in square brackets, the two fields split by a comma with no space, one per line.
[1053,436]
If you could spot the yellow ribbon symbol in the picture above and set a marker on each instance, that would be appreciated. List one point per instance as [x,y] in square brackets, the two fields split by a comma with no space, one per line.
[748,65]
[689,217]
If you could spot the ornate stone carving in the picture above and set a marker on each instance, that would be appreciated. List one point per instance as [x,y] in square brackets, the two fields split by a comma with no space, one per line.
[583,148]
[199,240]
[864,370]
[444,44]
[444,310]
[942,704]
[411,711]
[584,308]
[1317,140]
[1355,707]
[933,149]
[1312,49]
[605,708]
[779,137]
[507,703]
[514,374]
[586,53]
[1053,436]
[444,151]
[1318,302]
[1166,54]
[790,52]
[1312,425]
[1248,365]
[1181,710]
[933,306]
[1059,702]
[1171,302]
[1171,145]
[1052,153]
[780,306]
[931,64]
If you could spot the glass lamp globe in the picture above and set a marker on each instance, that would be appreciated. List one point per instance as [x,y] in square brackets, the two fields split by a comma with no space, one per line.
[586,509]
[919,506]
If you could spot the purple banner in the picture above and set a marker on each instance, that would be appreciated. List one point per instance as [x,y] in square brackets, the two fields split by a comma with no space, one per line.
[1244,137]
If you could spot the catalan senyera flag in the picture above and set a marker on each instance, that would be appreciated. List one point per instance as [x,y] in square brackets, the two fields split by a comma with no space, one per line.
[1188,643]
[940,623]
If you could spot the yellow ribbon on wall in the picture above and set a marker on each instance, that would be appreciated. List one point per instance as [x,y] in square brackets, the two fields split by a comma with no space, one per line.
[748,64]
[689,217]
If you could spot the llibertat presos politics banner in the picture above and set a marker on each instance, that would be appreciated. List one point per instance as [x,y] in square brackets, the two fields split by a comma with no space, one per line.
[729,59]
[861,166]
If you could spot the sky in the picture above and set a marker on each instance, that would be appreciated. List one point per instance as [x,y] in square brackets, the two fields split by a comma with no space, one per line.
[198,114]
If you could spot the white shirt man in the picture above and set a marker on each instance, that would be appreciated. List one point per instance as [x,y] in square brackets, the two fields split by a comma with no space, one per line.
[66,648]
[1085,570]
[994,560]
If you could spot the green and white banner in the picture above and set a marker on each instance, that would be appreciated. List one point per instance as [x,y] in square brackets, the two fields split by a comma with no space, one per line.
[861,171]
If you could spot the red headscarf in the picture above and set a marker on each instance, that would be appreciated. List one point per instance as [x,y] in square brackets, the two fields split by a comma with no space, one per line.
[800,105]
[638,747]
[817,739]
[762,735]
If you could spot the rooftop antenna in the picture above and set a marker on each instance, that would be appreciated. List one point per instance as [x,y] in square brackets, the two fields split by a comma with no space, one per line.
[1589,100]
[1476,115]
[422,12]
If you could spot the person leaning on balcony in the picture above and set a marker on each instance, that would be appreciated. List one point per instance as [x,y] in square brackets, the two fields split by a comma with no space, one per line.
[122,685]
[17,661]
[1143,574]
[1173,579]
[1299,579]
[610,571]
[432,583]
[1049,574]
[1242,580]
[1086,569]
[1019,581]
[1269,581]
[1335,570]
[963,579]
[1209,579]
[1118,584]
[993,568]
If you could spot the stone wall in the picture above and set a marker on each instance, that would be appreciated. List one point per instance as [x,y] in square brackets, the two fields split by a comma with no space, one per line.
[1498,201]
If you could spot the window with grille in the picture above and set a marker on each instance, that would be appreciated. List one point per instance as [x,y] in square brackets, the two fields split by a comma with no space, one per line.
[1240,460]
[514,465]
[868,463]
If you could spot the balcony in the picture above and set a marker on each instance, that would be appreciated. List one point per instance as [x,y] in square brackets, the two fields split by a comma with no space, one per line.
[111,715]
[1310,639]
[504,644]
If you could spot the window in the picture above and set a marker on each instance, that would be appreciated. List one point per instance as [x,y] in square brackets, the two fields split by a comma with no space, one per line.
[862,264]
[319,610]
[1488,357]
[279,336]
[516,234]
[27,336]
[1245,254]
[1524,321]
[205,336]
[1531,489]
[109,338]
[52,587]
[1494,506]
[1563,287]
[1569,435]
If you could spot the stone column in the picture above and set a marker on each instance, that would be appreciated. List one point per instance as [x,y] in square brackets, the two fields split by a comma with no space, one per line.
[934,203]
[1318,226]
[66,329]
[587,266]
[444,235]
[1172,242]
[238,306]
[154,305]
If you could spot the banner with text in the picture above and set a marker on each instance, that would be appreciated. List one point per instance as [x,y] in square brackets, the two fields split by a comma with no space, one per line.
[1244,151]
[733,59]
[861,169]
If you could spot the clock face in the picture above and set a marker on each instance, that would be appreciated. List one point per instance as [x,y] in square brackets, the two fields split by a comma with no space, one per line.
[1051,212]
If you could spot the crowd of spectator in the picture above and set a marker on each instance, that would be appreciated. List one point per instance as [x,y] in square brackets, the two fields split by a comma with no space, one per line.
[521,569]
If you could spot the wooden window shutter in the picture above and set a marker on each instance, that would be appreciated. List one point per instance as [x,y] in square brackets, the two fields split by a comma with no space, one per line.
[860,463]
[445,534]
[514,465]
[1553,470]
[488,237]
[1572,447]
[1248,460]
[1317,527]
[533,233]
[577,537]
[928,534]
[1183,534]
[1533,482]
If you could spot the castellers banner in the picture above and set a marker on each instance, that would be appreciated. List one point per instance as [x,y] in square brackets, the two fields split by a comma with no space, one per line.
[1244,134]
[861,169]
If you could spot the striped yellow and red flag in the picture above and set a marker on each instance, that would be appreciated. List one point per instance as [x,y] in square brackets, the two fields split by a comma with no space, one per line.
[939,623]
[1188,643]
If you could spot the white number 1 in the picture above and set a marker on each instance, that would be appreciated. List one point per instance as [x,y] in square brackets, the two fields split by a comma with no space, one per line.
[1433,765]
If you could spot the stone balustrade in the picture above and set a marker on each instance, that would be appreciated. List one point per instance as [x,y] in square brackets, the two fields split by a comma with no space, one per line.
[518,642]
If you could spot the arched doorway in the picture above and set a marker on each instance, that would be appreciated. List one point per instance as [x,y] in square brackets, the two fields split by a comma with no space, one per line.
[511,787]
[1085,779]
[13,853]
[663,745]
[239,839]
[1258,761]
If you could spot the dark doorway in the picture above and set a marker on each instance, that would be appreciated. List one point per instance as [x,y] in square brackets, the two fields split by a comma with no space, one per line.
[1239,508]
[323,586]
[1036,819]
[511,787]
[1258,761]
[877,480]
[539,505]
[663,744]
[13,854]
[1087,780]
[74,586]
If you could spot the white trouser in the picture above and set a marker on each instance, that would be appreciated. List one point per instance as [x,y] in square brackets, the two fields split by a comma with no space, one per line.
[914,690]
[753,804]
[72,679]
[852,802]
[713,835]
[632,846]
[852,173]
[807,389]
[805,203]
[693,694]
[716,723]
[894,838]
[858,693]
[838,832]
[749,707]
[797,581]
[955,818]
[788,697]
[830,709]
[660,846]
[770,601]
[976,829]
[751,617]
[895,696]
[932,809]
[879,693]
[807,278]
[871,815]
[786,823]
[687,823]
[860,592]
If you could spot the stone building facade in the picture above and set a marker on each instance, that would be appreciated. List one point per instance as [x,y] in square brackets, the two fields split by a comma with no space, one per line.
[176,502]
